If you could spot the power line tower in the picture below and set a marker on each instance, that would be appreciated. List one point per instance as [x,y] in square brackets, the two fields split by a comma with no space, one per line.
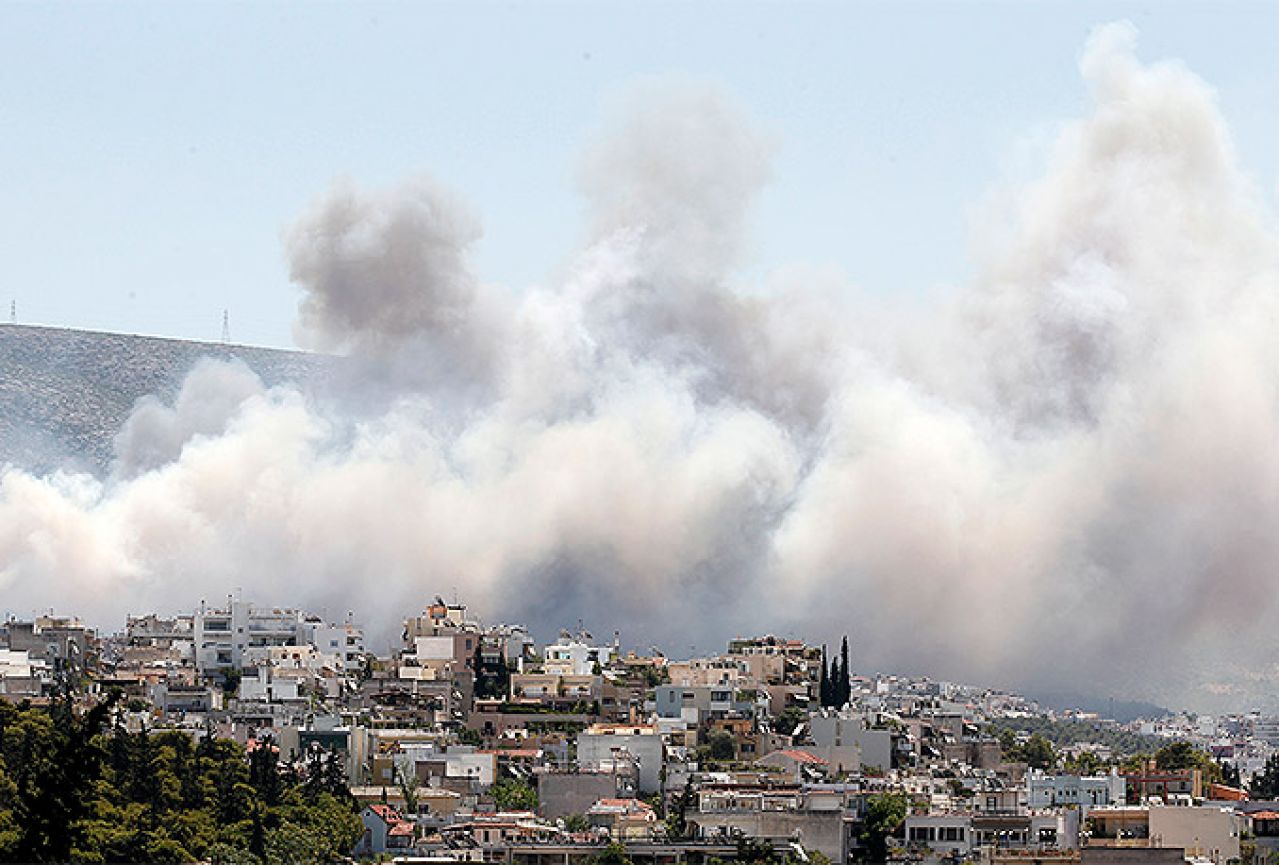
[226,326]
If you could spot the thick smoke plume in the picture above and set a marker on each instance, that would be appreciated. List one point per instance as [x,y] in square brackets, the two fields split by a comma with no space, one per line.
[1073,480]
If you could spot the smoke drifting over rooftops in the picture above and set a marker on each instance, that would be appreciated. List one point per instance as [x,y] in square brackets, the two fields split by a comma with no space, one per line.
[1071,478]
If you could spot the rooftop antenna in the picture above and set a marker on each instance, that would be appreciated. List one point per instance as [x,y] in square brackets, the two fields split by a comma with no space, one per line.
[226,326]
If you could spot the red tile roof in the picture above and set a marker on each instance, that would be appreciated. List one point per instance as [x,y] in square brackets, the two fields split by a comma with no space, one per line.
[387,813]
[803,757]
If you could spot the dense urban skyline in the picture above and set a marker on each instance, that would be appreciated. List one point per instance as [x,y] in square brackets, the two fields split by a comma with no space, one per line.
[666,429]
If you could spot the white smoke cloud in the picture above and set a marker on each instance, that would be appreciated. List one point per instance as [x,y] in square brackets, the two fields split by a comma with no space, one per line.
[1071,481]
[155,433]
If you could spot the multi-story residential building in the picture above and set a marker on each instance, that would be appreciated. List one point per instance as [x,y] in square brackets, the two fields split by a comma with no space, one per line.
[223,635]
[602,744]
[963,833]
[555,690]
[575,656]
[721,672]
[832,730]
[241,634]
[699,703]
[306,657]
[822,817]
[1050,791]
[943,834]
[159,632]
[1266,729]
[346,641]
[264,686]
[438,619]
[1207,832]
[62,642]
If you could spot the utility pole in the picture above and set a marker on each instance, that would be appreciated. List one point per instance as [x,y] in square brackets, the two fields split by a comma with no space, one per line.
[13,312]
[226,326]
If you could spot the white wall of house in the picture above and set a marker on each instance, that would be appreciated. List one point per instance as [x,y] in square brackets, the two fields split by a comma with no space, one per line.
[831,729]
[1047,791]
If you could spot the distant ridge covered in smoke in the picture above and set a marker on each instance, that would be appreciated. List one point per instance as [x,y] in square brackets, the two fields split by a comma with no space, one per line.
[67,393]
[1063,473]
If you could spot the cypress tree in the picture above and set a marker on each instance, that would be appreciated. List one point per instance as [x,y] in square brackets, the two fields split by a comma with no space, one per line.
[477,665]
[845,686]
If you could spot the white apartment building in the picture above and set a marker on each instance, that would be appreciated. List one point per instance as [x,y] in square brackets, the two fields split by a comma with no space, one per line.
[345,640]
[573,656]
[306,657]
[229,637]
[1050,791]
[264,687]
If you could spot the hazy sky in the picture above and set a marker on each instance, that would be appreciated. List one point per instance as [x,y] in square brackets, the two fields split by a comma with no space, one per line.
[151,154]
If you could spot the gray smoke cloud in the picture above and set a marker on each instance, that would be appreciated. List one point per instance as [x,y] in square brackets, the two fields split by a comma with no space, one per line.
[1068,479]
[386,280]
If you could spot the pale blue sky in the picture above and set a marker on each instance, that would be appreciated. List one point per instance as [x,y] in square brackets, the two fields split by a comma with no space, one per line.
[150,154]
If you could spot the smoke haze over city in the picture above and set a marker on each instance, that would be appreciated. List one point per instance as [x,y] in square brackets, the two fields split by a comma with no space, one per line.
[1062,474]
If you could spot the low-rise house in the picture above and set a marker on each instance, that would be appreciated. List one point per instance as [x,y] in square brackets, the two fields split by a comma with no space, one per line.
[624,819]
[176,698]
[797,765]
[385,831]
[501,829]
[1183,785]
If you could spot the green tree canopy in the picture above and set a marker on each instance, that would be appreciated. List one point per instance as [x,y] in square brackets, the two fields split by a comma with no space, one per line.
[1265,784]
[512,795]
[721,745]
[75,788]
[885,814]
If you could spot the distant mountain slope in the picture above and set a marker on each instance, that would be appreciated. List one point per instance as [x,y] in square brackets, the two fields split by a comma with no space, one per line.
[65,393]
[1122,711]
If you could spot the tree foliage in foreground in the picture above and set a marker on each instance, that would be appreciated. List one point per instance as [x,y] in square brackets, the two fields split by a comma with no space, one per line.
[885,814]
[79,787]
